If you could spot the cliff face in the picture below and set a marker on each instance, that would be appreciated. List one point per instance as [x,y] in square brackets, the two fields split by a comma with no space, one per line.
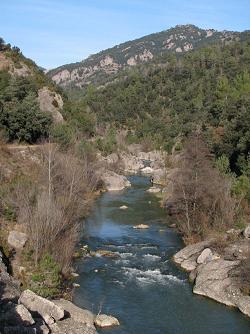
[98,68]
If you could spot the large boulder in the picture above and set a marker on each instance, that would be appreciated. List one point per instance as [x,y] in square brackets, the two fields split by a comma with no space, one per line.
[213,280]
[17,240]
[52,103]
[187,257]
[115,182]
[103,320]
[76,313]
[46,308]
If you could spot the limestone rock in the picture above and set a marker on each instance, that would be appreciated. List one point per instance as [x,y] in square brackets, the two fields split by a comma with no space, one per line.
[141,226]
[51,102]
[123,207]
[24,315]
[17,240]
[42,306]
[246,232]
[191,250]
[147,170]
[70,326]
[154,190]
[243,304]
[76,313]
[213,280]
[115,182]
[205,256]
[103,320]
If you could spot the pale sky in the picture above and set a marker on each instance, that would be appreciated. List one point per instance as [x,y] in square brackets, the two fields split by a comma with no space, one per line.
[56,32]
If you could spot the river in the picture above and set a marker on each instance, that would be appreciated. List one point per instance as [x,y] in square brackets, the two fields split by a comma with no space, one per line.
[142,287]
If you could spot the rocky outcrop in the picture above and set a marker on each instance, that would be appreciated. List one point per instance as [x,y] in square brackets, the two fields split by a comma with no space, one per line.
[17,240]
[115,182]
[48,310]
[103,320]
[212,274]
[51,102]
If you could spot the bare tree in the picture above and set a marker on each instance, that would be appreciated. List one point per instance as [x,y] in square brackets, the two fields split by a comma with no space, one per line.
[201,194]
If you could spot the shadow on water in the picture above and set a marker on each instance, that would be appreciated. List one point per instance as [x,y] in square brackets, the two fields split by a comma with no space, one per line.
[142,287]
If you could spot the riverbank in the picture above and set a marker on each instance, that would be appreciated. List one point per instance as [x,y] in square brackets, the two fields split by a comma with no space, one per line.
[130,273]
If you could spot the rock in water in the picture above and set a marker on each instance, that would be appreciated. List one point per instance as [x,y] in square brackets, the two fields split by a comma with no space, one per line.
[213,280]
[123,207]
[103,320]
[154,190]
[141,226]
[42,306]
[17,240]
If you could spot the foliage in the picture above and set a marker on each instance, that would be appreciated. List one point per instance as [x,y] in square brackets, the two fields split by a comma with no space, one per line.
[46,278]
[206,90]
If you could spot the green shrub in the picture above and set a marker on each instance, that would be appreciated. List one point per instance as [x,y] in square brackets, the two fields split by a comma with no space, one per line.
[46,279]
[62,134]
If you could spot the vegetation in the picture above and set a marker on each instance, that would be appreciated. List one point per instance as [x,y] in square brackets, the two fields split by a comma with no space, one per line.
[181,38]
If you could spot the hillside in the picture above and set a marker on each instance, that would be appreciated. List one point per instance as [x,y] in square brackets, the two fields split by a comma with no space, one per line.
[98,68]
[163,102]
[30,102]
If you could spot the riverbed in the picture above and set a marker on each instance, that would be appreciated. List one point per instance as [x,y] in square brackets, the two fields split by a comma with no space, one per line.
[141,286]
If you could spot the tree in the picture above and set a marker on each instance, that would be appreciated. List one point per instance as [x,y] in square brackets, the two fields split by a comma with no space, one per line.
[201,193]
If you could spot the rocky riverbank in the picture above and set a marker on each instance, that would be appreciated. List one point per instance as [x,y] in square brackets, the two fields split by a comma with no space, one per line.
[217,275]
[26,312]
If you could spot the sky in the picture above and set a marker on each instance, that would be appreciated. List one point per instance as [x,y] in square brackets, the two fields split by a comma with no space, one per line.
[57,32]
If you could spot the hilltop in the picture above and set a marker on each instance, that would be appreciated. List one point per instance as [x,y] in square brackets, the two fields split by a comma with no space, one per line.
[99,68]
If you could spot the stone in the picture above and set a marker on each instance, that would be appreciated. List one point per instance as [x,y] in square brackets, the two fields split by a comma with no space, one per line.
[17,240]
[42,306]
[76,285]
[213,280]
[74,274]
[105,253]
[52,103]
[103,320]
[141,226]
[191,250]
[70,326]
[123,207]
[246,232]
[115,182]
[154,190]
[24,315]
[78,314]
[243,303]
[147,170]
[205,256]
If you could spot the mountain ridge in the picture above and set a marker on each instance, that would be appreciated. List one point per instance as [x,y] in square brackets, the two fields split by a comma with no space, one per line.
[97,68]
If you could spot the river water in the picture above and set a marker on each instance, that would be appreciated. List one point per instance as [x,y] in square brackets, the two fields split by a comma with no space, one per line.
[142,287]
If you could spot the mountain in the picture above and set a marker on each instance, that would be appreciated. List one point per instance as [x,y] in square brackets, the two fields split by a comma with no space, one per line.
[99,68]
